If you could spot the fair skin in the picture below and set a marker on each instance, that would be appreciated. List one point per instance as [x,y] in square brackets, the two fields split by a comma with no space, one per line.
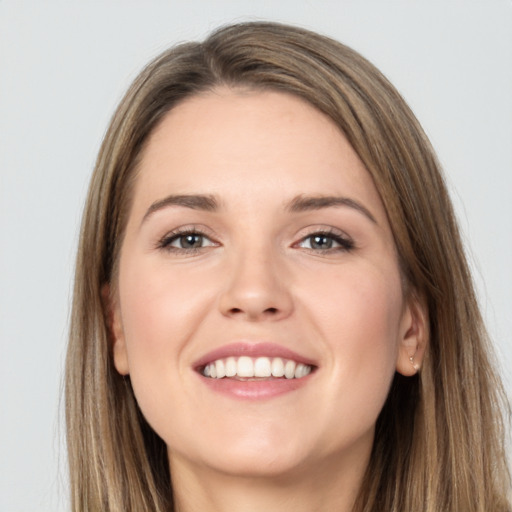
[232,249]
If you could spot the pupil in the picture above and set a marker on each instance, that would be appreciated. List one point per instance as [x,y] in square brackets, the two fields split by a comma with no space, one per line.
[191,241]
[321,242]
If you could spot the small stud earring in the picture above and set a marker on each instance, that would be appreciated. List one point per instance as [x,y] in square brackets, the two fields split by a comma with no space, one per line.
[416,366]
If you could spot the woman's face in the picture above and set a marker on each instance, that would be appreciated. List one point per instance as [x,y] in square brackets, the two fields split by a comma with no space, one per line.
[257,245]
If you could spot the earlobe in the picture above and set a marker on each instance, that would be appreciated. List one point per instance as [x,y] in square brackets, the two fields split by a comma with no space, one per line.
[115,330]
[414,337]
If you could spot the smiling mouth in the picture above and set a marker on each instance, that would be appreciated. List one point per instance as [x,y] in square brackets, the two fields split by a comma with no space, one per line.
[255,368]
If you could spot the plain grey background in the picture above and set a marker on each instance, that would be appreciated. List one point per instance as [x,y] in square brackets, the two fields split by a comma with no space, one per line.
[64,67]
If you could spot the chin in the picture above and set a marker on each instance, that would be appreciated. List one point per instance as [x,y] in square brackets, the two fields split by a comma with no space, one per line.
[256,464]
[254,455]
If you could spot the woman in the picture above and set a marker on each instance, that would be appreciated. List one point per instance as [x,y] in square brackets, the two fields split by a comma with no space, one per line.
[272,307]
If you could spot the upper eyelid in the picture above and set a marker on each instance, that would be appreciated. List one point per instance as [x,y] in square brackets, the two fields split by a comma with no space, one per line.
[324,230]
[190,228]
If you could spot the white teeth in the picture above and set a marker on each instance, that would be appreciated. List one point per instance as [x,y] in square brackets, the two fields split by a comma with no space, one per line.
[289,369]
[302,370]
[277,367]
[221,370]
[261,367]
[245,367]
[231,367]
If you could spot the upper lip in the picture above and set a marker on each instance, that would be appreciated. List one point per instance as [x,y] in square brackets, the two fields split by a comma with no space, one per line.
[252,349]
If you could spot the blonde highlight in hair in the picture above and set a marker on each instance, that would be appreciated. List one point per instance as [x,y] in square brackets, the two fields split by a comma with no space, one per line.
[439,442]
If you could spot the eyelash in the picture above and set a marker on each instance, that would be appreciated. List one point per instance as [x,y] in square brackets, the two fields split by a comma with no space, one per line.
[345,244]
[165,242]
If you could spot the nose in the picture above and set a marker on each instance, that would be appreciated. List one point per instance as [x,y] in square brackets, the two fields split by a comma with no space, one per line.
[256,288]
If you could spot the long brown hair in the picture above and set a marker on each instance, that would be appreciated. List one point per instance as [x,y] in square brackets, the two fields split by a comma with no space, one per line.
[439,442]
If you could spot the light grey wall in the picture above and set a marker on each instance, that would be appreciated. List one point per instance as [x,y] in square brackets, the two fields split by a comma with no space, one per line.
[64,66]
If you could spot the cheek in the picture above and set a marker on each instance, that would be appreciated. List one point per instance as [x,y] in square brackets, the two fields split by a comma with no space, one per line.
[359,319]
[159,306]
[160,313]
[369,302]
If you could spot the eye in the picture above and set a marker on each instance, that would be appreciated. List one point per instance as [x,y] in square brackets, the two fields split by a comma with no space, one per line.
[326,242]
[189,240]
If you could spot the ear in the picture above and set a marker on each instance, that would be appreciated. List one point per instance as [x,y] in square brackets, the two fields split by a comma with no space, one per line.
[413,336]
[115,330]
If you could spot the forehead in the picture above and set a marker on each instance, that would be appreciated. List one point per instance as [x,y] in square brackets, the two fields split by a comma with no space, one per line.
[248,145]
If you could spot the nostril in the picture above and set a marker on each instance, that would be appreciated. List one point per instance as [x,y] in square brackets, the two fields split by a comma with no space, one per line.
[268,311]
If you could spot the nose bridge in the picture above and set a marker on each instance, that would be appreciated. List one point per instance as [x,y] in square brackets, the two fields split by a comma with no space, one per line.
[256,286]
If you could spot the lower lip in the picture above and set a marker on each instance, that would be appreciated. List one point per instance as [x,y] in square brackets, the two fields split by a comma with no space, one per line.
[255,389]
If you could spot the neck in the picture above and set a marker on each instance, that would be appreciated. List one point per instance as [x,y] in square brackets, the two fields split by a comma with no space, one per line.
[321,490]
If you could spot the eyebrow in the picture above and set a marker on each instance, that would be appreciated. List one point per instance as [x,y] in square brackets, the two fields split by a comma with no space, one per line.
[202,202]
[308,203]
[209,203]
